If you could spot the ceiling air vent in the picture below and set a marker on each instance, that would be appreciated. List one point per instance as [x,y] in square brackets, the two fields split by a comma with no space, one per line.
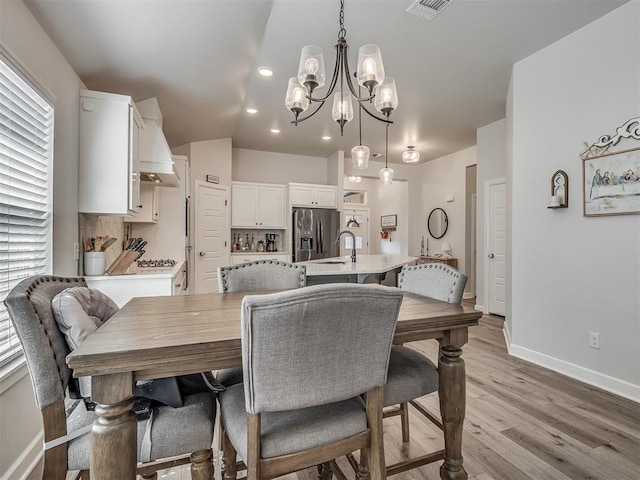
[428,8]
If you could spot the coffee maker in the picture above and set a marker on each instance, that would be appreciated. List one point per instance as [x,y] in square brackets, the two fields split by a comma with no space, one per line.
[271,242]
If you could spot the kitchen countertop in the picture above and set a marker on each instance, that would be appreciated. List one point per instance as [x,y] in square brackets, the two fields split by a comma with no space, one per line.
[253,252]
[365,265]
[147,273]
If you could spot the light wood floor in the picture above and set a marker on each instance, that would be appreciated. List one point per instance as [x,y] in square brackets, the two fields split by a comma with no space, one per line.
[523,422]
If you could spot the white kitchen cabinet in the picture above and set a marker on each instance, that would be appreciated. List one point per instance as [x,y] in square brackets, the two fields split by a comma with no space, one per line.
[149,211]
[145,283]
[238,259]
[256,205]
[110,128]
[313,196]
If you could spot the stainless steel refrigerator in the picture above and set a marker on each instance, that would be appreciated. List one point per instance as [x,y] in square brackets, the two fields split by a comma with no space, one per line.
[314,233]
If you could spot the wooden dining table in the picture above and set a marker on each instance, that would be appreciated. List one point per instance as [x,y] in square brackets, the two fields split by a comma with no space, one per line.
[154,337]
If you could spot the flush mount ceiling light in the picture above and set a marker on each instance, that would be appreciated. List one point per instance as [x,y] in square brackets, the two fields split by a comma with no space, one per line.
[410,155]
[251,110]
[275,130]
[369,74]
[326,137]
[265,71]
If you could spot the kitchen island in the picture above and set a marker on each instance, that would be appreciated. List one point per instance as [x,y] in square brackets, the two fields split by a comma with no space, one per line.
[366,269]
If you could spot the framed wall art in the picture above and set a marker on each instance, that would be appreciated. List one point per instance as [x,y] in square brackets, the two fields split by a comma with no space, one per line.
[389,221]
[611,180]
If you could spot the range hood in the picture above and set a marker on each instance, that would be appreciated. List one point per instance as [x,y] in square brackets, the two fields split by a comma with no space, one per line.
[156,164]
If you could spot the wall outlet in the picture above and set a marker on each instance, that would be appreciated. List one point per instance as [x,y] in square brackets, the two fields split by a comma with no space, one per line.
[594,340]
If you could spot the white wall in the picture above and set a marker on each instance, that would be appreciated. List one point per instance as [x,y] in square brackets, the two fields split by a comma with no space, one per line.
[24,39]
[573,275]
[492,164]
[441,177]
[272,167]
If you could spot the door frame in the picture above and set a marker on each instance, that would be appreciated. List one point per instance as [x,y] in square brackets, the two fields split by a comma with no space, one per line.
[226,228]
[487,235]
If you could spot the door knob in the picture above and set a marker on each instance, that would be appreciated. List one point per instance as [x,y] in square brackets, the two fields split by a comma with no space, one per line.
[491,255]
[202,254]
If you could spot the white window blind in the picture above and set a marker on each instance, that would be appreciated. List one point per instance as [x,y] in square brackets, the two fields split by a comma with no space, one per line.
[26,157]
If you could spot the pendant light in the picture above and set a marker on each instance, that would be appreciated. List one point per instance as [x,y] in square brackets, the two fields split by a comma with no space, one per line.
[386,173]
[360,154]
[410,155]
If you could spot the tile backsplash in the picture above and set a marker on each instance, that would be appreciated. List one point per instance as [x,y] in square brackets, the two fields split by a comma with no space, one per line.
[101,226]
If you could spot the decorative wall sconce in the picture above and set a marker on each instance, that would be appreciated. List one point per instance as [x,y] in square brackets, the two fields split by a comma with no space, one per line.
[559,190]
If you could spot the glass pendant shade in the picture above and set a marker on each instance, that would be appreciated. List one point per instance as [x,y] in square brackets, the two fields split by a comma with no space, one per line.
[386,175]
[386,99]
[410,155]
[296,99]
[360,157]
[311,67]
[370,70]
[354,179]
[342,111]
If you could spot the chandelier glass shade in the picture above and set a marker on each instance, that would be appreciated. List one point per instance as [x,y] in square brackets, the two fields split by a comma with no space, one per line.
[410,155]
[369,74]
[360,157]
[342,111]
[297,100]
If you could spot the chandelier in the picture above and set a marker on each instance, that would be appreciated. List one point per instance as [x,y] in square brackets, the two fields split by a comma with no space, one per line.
[379,90]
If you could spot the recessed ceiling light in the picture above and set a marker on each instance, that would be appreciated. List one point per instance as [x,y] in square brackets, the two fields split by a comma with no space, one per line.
[275,130]
[265,71]
[326,137]
[251,110]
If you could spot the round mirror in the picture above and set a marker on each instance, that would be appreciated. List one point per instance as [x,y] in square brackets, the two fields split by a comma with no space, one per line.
[437,223]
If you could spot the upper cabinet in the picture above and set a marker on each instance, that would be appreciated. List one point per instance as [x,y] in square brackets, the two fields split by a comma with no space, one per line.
[313,196]
[149,211]
[256,205]
[110,129]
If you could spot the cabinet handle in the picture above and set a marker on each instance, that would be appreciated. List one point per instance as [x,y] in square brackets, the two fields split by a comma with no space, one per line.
[491,255]
[139,206]
[202,254]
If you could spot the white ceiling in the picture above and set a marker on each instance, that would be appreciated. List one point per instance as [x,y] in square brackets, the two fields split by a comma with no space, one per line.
[199,58]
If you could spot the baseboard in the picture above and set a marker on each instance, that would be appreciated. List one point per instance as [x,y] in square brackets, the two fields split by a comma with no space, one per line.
[26,462]
[507,338]
[481,308]
[591,377]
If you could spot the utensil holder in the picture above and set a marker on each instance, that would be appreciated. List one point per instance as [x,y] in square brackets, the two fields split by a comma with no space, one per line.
[94,263]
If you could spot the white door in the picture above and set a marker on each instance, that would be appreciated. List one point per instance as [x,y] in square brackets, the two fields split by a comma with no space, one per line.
[211,226]
[496,248]
[356,221]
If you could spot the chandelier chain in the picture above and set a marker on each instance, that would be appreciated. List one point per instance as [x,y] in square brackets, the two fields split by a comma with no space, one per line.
[342,33]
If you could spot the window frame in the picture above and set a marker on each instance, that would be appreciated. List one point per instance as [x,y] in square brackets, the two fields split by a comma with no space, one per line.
[45,173]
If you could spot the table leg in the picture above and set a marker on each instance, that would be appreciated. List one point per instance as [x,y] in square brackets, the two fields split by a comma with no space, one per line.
[452,392]
[114,432]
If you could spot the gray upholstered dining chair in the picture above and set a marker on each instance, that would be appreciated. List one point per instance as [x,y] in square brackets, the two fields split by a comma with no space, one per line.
[261,275]
[412,375]
[308,355]
[176,431]
[255,276]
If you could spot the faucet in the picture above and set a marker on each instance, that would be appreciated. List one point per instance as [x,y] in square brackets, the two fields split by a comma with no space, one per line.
[353,244]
